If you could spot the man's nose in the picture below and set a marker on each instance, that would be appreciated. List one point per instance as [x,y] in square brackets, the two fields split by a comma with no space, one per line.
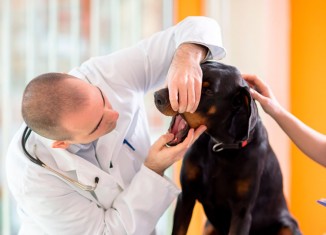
[113,115]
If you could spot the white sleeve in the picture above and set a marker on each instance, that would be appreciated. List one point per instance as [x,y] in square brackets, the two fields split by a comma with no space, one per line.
[58,209]
[145,66]
[138,208]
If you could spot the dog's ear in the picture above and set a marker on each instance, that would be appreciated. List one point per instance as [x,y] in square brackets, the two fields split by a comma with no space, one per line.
[244,116]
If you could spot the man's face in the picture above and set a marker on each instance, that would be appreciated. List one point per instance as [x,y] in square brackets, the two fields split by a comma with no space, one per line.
[94,119]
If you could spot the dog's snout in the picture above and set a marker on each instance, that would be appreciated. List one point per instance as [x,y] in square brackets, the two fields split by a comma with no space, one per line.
[161,98]
[162,102]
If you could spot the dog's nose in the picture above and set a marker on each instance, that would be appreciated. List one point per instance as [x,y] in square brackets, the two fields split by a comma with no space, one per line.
[161,98]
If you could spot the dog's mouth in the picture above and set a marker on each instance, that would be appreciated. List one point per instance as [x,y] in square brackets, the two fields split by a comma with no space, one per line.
[179,127]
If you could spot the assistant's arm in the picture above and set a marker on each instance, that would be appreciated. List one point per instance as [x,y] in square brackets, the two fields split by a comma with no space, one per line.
[308,140]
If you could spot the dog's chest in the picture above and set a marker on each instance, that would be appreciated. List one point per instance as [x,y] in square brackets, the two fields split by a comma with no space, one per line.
[223,175]
[226,169]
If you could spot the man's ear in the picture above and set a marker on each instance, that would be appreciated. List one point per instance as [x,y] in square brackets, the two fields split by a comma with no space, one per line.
[60,144]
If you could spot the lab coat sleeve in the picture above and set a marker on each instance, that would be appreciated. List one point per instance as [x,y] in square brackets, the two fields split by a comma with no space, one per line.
[58,209]
[145,66]
[139,207]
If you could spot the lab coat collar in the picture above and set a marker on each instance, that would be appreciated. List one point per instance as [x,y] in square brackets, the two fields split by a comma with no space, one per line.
[67,161]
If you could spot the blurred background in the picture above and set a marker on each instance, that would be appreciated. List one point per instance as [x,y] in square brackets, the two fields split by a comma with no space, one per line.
[282,41]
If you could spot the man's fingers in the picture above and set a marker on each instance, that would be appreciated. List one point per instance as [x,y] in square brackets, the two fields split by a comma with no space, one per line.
[197,89]
[176,150]
[173,96]
[163,140]
[191,96]
[192,136]
[190,139]
[200,130]
[183,98]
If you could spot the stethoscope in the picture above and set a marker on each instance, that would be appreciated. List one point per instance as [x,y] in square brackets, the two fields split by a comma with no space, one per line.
[37,161]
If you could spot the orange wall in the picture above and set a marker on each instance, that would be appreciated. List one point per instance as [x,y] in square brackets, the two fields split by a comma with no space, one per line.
[182,9]
[308,96]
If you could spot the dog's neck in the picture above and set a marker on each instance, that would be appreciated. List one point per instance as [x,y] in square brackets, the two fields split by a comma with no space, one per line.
[219,145]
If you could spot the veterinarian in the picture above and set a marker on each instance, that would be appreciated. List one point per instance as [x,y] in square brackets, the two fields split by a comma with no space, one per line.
[309,141]
[82,162]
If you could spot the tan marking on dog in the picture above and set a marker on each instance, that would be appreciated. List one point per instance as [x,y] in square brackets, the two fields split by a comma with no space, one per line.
[212,110]
[209,229]
[182,231]
[192,171]
[206,84]
[285,231]
[246,100]
[195,120]
[243,187]
[169,112]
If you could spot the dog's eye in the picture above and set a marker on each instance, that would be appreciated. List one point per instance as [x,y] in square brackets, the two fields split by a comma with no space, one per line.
[209,92]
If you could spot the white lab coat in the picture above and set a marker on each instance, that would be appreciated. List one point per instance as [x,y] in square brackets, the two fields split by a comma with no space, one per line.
[129,198]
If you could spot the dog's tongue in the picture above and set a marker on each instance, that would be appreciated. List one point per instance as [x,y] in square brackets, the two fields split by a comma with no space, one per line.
[179,124]
[179,128]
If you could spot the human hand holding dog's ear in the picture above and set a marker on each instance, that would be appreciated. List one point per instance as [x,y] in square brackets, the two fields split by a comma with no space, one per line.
[261,92]
[311,142]
[160,157]
[184,78]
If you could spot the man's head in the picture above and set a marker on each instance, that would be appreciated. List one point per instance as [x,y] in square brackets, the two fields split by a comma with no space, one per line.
[61,107]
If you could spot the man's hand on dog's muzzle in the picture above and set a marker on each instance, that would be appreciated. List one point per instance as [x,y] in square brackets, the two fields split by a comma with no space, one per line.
[161,157]
[184,78]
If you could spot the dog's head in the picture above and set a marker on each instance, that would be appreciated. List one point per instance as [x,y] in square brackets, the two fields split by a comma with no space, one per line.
[226,106]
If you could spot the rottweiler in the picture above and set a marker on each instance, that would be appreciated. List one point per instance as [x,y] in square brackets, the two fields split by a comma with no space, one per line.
[231,169]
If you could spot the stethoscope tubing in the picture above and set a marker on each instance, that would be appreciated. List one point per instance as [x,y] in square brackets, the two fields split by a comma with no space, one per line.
[37,161]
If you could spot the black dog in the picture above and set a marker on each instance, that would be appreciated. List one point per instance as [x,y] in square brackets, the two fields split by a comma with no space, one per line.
[231,169]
